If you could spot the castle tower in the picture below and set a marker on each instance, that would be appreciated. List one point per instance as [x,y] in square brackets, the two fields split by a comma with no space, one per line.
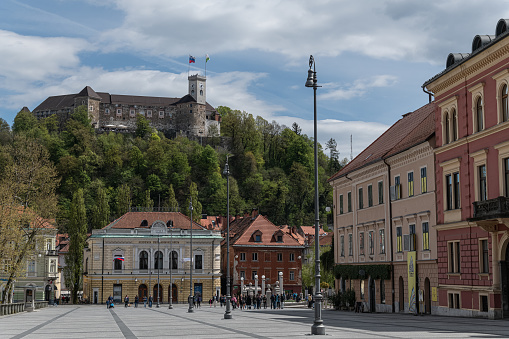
[197,88]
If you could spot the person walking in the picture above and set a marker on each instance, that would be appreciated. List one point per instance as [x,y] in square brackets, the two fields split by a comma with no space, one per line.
[150,300]
[126,301]
[272,301]
[265,302]
[145,301]
[136,301]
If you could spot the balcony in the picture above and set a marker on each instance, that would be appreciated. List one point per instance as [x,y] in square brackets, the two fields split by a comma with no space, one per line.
[491,209]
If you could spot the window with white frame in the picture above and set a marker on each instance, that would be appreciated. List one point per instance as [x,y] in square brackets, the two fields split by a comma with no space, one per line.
[480,183]
[454,300]
[119,112]
[451,184]
[361,199]
[292,275]
[349,201]
[161,114]
[397,187]
[477,92]
[424,180]
[454,256]
[370,195]
[410,184]
[292,257]
[371,243]
[243,274]
[361,243]
[149,113]
[380,192]
[342,245]
[254,256]
[501,84]
[243,256]
[350,244]
[132,113]
[449,119]
[425,236]
[280,257]
[341,204]
[107,111]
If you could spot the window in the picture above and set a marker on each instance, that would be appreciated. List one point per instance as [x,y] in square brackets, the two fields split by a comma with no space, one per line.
[371,243]
[253,274]
[174,260]
[341,204]
[292,275]
[381,232]
[117,263]
[342,245]
[382,291]
[484,256]
[410,184]
[143,260]
[31,267]
[132,113]
[452,188]
[198,262]
[361,243]
[243,274]
[424,180]
[411,231]
[107,111]
[370,195]
[361,202]
[425,236]
[350,245]
[119,111]
[280,257]
[479,115]
[149,113]
[349,201]
[158,260]
[243,256]
[447,135]
[454,124]
[453,249]
[267,256]
[380,192]
[255,256]
[482,183]
[397,187]
[399,239]
[161,114]
[258,238]
[504,104]
[292,257]
[362,289]
[506,177]
[454,300]
[483,303]
[279,238]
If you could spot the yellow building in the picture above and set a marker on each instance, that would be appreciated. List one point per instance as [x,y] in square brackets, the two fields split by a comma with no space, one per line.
[133,255]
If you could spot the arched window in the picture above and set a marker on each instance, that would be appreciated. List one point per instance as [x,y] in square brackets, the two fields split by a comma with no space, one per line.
[174,260]
[158,260]
[505,104]
[447,138]
[454,125]
[143,260]
[479,115]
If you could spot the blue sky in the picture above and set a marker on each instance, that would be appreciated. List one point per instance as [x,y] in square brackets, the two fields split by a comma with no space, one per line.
[372,56]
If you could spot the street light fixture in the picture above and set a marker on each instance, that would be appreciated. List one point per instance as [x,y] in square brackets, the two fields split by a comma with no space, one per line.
[190,310]
[170,306]
[228,311]
[317,327]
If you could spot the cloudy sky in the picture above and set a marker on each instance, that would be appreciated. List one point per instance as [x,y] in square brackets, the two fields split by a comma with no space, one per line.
[372,56]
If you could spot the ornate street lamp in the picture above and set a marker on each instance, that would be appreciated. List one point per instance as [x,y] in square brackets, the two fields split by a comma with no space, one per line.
[170,307]
[228,311]
[190,310]
[317,327]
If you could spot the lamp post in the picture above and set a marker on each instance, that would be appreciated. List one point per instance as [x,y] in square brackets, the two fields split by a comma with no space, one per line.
[170,306]
[228,311]
[190,310]
[263,285]
[158,268]
[256,286]
[317,327]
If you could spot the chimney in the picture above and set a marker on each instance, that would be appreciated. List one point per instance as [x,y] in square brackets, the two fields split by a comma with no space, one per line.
[254,213]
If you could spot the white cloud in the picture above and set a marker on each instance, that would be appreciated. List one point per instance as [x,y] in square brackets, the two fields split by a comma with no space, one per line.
[357,89]
[393,29]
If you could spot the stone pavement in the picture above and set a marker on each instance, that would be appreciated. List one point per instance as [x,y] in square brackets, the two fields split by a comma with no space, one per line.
[95,321]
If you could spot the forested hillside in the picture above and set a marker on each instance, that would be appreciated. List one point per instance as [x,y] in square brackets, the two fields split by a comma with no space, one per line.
[271,168]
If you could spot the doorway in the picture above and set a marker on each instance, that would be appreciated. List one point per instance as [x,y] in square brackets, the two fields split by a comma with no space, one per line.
[174,293]
[143,292]
[372,300]
[158,293]
[401,294]
[504,268]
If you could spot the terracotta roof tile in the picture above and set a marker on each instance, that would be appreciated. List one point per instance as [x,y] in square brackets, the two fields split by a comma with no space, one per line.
[412,129]
[132,220]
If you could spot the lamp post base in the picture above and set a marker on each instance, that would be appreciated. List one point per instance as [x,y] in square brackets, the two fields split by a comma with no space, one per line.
[318,328]
[228,315]
[170,307]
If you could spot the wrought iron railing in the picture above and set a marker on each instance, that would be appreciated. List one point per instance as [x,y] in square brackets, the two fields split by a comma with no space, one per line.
[491,208]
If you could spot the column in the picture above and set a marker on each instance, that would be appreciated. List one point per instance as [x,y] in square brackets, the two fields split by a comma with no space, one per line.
[494,261]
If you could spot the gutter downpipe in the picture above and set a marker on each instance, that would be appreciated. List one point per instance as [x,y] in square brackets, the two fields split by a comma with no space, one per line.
[428,93]
[392,237]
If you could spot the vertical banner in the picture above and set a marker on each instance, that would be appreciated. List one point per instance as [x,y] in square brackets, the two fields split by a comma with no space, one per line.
[411,283]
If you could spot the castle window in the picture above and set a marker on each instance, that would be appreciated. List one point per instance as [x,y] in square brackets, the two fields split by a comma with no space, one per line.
[132,113]
[149,113]
[107,111]
[161,114]
[201,92]
[119,112]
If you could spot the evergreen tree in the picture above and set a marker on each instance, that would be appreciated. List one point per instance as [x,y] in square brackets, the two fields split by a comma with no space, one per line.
[197,207]
[77,235]
[123,199]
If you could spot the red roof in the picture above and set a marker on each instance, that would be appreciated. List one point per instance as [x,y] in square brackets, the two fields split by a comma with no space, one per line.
[132,220]
[413,129]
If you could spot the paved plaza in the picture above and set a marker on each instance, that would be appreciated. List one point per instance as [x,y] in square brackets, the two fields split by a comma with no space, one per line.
[92,321]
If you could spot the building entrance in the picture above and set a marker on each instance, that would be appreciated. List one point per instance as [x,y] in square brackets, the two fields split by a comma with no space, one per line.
[504,270]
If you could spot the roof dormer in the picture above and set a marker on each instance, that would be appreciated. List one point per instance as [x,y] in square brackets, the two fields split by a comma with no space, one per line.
[278,236]
[256,236]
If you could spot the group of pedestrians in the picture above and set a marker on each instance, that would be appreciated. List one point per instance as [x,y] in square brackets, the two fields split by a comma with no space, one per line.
[110,302]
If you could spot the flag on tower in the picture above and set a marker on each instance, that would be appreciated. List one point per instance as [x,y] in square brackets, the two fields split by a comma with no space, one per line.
[207,58]
[191,59]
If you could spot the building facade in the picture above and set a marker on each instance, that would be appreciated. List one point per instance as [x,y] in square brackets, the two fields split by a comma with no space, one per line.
[472,175]
[140,252]
[190,115]
[259,252]
[384,213]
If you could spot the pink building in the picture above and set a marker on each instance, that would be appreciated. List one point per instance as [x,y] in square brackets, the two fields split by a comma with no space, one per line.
[472,178]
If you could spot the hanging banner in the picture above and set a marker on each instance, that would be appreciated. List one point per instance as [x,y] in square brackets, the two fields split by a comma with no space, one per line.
[411,283]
